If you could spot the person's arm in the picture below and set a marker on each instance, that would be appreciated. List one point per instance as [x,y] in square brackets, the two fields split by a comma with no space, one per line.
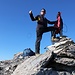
[51,22]
[32,17]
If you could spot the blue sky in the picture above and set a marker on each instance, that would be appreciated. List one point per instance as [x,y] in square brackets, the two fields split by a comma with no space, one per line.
[18,32]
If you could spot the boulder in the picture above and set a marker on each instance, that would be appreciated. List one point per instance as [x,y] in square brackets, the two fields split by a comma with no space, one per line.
[32,64]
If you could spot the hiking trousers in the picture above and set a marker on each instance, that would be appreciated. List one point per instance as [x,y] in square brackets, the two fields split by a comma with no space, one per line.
[39,33]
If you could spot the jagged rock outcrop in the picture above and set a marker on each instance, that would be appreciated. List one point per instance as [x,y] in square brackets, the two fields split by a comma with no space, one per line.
[64,59]
[59,59]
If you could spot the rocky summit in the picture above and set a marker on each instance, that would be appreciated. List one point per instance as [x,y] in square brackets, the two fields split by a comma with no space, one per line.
[59,59]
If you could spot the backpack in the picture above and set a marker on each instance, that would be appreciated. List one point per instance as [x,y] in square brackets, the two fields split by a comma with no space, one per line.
[28,52]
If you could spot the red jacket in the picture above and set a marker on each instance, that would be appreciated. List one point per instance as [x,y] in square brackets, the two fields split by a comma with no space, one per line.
[58,24]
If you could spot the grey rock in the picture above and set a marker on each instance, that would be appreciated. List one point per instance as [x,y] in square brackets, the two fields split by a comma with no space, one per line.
[31,65]
[18,55]
[59,59]
[7,67]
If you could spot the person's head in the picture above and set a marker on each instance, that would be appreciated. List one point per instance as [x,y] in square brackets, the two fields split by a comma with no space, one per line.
[59,13]
[43,12]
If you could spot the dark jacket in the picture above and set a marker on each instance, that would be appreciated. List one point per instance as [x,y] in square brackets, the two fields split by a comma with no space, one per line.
[61,24]
[41,21]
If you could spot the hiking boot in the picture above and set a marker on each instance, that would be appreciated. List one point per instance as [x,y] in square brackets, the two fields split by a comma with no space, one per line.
[54,39]
[37,54]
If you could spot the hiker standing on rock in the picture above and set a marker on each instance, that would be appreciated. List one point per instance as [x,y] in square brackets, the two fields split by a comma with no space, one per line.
[41,27]
[59,26]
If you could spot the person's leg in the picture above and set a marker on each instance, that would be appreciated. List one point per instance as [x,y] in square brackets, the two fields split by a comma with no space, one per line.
[52,29]
[38,39]
[52,37]
[53,34]
[47,29]
[61,33]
